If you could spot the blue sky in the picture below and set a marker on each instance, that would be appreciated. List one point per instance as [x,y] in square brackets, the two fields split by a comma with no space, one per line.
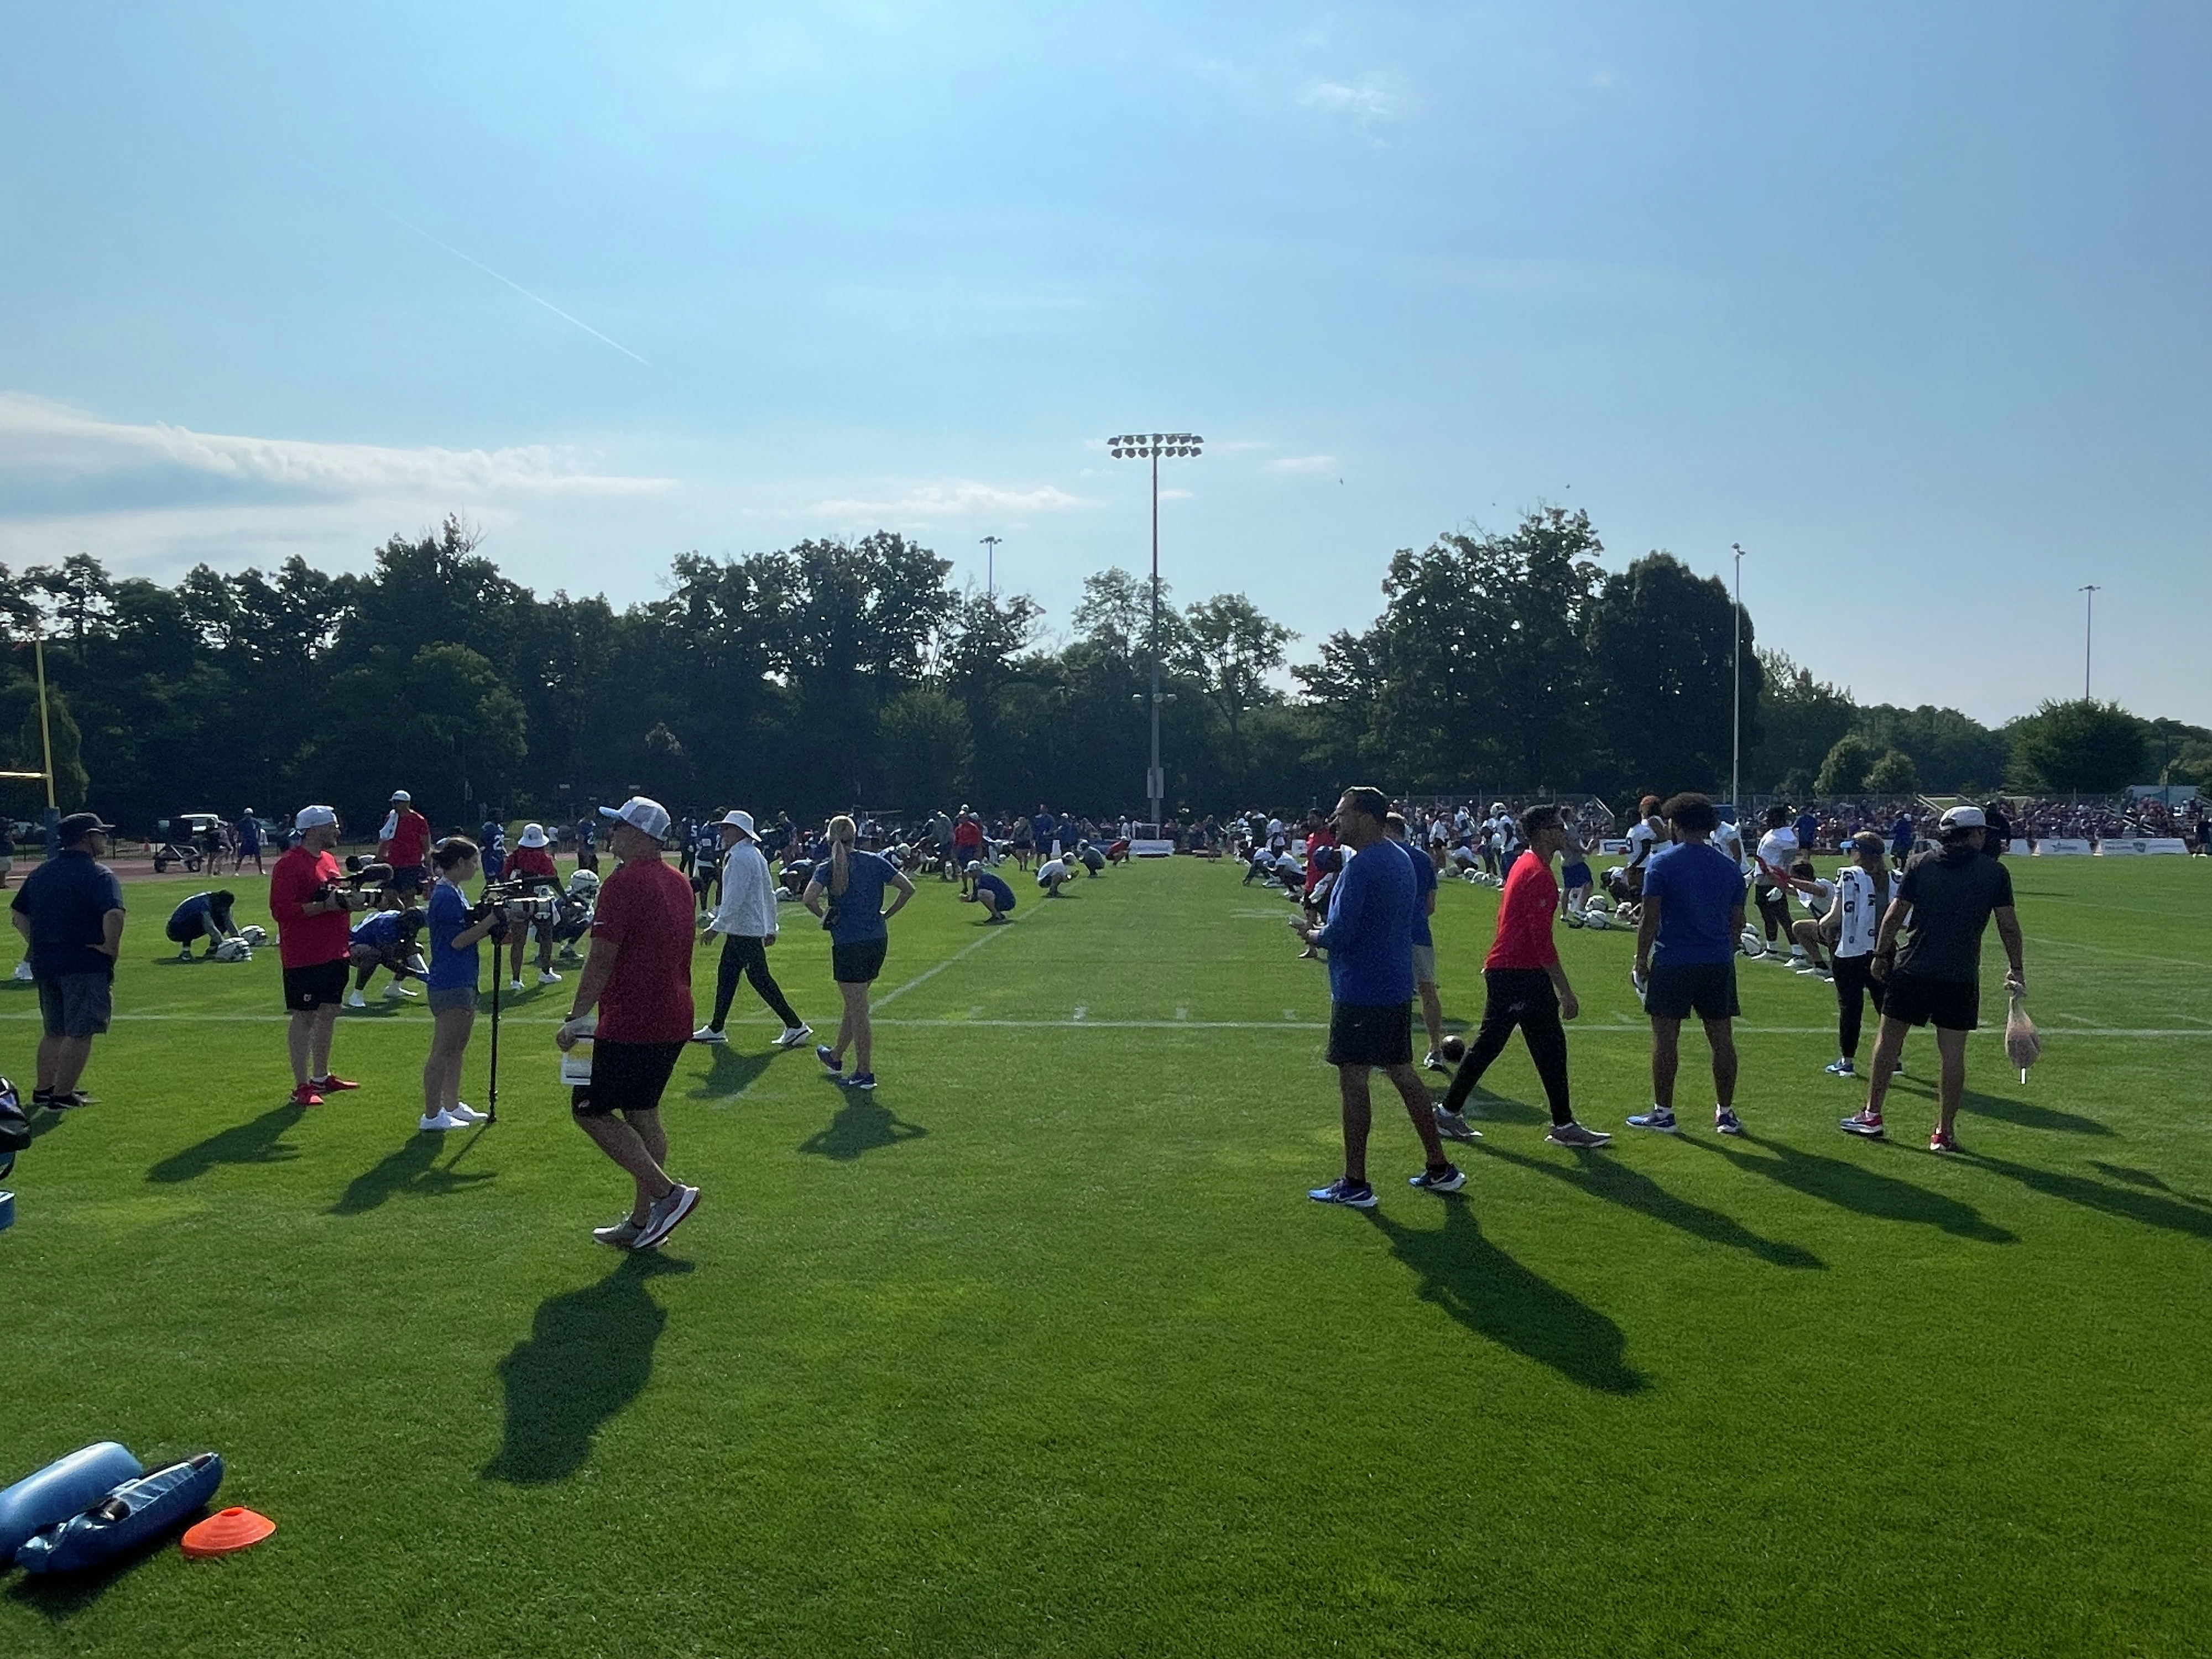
[1911,300]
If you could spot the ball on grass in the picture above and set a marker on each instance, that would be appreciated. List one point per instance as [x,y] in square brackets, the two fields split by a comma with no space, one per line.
[1453,1048]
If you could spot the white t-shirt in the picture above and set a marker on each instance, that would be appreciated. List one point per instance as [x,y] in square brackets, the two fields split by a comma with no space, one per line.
[1642,841]
[1729,840]
[1777,847]
[1860,922]
[1818,900]
[1051,869]
[1274,827]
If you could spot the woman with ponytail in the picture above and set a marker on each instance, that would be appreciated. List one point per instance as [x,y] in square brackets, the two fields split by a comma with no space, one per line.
[847,891]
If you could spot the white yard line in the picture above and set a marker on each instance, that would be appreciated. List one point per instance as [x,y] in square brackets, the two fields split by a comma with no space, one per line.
[931,972]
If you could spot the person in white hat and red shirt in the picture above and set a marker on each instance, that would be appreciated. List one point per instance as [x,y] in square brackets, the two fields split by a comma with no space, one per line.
[745,920]
[1950,895]
[639,977]
[315,941]
[405,845]
[532,864]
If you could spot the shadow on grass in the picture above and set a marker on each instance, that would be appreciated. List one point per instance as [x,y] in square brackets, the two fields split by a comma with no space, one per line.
[1861,1190]
[61,1596]
[2145,1178]
[2130,1203]
[1615,1182]
[1495,1297]
[260,1141]
[412,1169]
[731,1072]
[589,1354]
[1482,1107]
[2023,1113]
[863,1124]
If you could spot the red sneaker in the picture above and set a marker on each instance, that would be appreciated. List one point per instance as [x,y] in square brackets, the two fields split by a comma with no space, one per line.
[1863,1123]
[332,1085]
[1940,1142]
[305,1094]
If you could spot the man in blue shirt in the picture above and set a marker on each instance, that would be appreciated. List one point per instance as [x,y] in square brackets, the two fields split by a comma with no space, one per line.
[1368,937]
[1425,945]
[70,912]
[1045,828]
[992,893]
[1685,946]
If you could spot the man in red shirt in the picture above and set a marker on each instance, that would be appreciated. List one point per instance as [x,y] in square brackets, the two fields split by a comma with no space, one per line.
[407,848]
[967,847]
[1524,985]
[639,974]
[315,944]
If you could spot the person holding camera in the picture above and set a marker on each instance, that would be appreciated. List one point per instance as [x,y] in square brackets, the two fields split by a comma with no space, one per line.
[308,901]
[847,891]
[456,929]
[639,977]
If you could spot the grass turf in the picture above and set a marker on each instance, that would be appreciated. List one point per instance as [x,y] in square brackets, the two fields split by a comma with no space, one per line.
[1040,1348]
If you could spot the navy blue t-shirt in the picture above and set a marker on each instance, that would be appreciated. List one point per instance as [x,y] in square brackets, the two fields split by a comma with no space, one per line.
[67,900]
[858,912]
[987,882]
[1424,882]
[1699,888]
[1369,932]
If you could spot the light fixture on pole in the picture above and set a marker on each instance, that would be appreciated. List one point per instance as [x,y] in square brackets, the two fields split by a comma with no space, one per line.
[1150,446]
[2088,633]
[1735,735]
[990,546]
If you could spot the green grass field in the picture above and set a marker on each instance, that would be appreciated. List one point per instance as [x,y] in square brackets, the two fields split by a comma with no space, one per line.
[1042,1350]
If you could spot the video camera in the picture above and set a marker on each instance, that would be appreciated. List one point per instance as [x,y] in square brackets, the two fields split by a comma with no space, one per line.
[510,902]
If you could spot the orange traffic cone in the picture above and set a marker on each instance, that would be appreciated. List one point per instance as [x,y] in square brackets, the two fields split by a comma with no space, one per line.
[225,1531]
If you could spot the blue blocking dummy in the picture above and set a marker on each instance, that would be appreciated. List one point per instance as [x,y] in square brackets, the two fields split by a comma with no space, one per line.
[60,1490]
[137,1512]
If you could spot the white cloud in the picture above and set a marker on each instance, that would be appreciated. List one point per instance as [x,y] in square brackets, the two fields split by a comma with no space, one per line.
[1311,466]
[49,439]
[1601,79]
[950,498]
[1373,96]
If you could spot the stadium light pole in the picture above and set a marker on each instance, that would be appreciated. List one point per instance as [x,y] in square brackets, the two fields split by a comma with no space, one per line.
[1143,446]
[990,546]
[1736,734]
[2088,635]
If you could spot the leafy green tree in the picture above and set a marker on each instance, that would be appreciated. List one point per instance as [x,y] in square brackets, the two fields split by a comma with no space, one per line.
[1950,750]
[928,750]
[1231,650]
[1800,720]
[1892,774]
[1663,662]
[2081,746]
[1843,768]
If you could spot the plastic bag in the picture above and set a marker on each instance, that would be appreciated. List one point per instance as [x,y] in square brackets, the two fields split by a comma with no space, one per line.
[2023,1048]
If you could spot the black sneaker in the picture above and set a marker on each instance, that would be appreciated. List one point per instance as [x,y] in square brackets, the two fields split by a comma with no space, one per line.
[75,1097]
[662,1218]
[1449,1179]
[1357,1194]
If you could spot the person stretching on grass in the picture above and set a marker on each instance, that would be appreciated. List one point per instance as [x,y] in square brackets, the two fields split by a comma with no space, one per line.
[1524,985]
[847,891]
[1950,896]
[990,892]
[639,977]
[454,935]
[1371,993]
[1685,946]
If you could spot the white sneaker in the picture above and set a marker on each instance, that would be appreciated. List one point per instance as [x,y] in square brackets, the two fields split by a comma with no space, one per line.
[465,1114]
[396,991]
[795,1037]
[515,985]
[432,1122]
[709,1034]
[354,999]
[547,976]
[23,971]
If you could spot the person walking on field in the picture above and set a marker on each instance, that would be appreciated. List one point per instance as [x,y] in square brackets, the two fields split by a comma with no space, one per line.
[1949,896]
[315,944]
[846,890]
[1424,944]
[1862,892]
[1370,989]
[1685,946]
[639,977]
[70,912]
[746,921]
[1524,985]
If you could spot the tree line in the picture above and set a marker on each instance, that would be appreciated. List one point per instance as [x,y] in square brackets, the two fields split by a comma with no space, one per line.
[833,674]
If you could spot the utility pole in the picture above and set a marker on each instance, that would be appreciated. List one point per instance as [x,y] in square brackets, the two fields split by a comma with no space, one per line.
[1735,738]
[990,546]
[2088,635]
[1138,446]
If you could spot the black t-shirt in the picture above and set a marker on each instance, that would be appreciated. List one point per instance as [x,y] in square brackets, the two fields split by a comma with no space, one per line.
[66,900]
[1952,895]
[1996,837]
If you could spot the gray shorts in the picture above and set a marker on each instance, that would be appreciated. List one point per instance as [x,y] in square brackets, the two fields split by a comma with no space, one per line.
[77,1005]
[453,997]
[1424,965]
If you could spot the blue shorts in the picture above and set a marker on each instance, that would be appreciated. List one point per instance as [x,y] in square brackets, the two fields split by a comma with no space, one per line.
[1576,874]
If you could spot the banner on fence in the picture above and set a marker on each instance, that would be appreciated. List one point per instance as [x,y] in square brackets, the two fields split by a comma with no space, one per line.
[1152,849]
[2114,849]
[1612,847]
[2052,846]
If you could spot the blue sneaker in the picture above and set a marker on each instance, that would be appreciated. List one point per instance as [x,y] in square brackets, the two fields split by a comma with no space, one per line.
[1358,1194]
[1725,1121]
[827,1056]
[860,1080]
[1841,1068]
[1449,1179]
[1654,1118]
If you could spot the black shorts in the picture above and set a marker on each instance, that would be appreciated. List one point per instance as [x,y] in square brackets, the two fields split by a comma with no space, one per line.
[409,879]
[319,985]
[1949,1004]
[859,962]
[627,1078]
[1704,988]
[1370,1033]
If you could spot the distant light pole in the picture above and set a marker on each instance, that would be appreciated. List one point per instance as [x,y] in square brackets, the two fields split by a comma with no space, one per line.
[1735,738]
[2088,633]
[990,546]
[1141,446]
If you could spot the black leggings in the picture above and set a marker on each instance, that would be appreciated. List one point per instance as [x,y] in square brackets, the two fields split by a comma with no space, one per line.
[1853,980]
[1774,910]
[748,957]
[1522,997]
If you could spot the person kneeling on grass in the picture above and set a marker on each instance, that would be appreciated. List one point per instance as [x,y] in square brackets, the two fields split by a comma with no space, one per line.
[1808,935]
[1052,875]
[387,940]
[455,931]
[992,893]
[1685,946]
[1371,991]
[639,977]
[203,916]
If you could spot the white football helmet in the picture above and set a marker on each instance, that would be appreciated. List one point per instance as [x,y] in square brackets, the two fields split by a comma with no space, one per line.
[1601,920]
[584,884]
[1753,945]
[234,950]
[254,935]
[1597,902]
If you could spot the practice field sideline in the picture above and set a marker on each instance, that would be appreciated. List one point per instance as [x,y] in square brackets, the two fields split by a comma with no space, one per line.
[1041,1349]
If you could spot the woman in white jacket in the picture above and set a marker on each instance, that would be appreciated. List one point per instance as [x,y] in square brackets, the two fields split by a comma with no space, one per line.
[746,921]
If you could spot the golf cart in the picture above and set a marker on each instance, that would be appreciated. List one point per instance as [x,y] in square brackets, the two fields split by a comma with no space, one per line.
[183,839]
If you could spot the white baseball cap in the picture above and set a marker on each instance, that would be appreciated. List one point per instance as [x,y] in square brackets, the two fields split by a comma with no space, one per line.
[640,814]
[533,835]
[1964,818]
[314,818]
[741,821]
[403,796]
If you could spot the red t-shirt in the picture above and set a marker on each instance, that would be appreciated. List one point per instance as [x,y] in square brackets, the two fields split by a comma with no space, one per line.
[1524,919]
[305,941]
[648,909]
[1321,837]
[527,863]
[967,833]
[411,840]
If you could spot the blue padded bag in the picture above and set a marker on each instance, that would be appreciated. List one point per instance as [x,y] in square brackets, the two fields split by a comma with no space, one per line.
[60,1490]
[134,1513]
